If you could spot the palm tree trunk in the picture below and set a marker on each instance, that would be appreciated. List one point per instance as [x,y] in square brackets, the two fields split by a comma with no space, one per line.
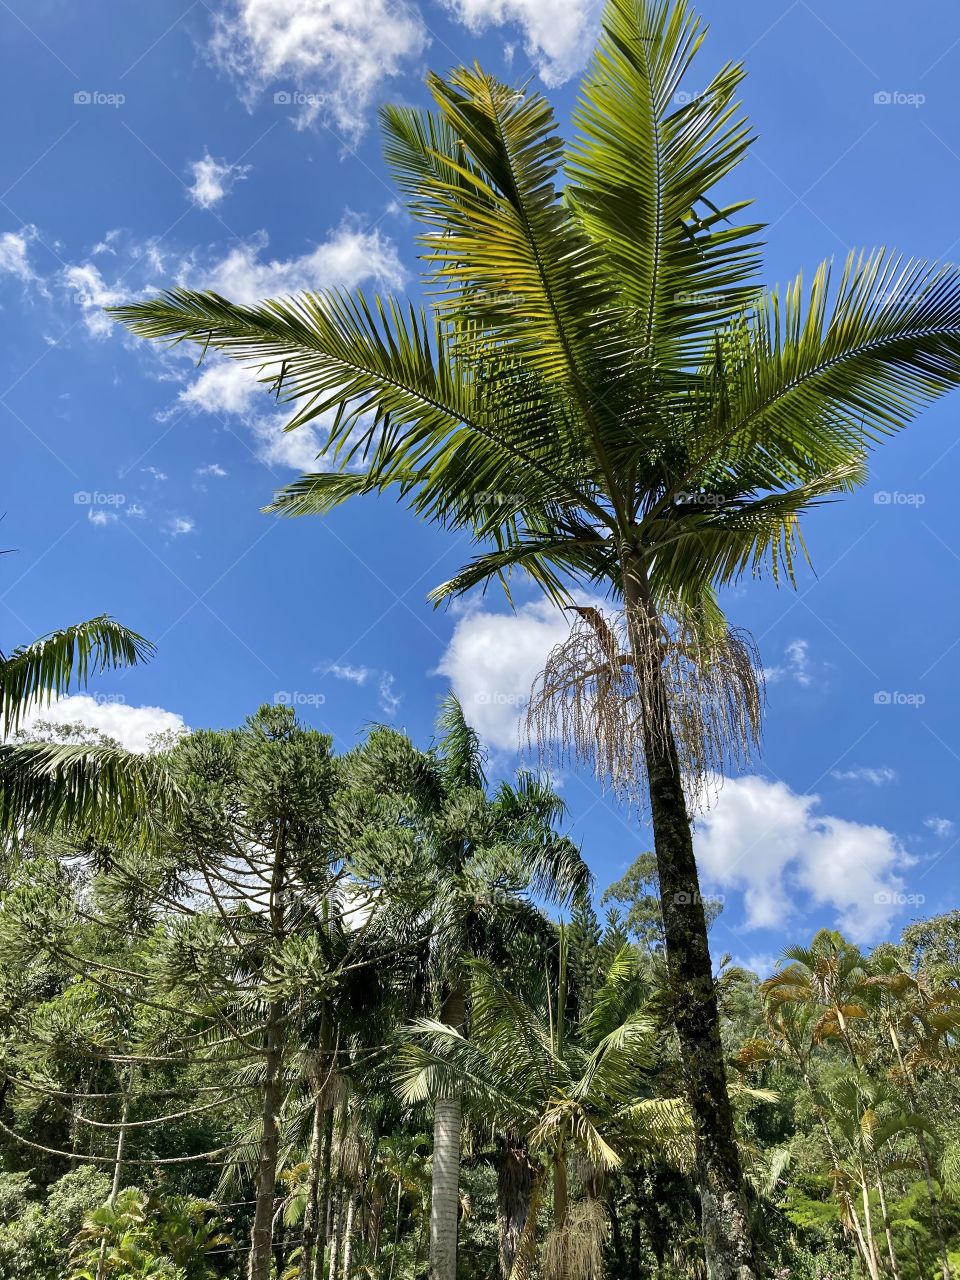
[348,1235]
[311,1215]
[727,1235]
[874,1261]
[888,1233]
[515,1179]
[445,1186]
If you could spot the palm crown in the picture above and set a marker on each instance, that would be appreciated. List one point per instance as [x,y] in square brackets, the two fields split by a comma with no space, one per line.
[600,370]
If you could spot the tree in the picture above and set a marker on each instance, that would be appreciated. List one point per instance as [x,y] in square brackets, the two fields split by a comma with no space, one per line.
[45,784]
[471,865]
[550,1086]
[603,394]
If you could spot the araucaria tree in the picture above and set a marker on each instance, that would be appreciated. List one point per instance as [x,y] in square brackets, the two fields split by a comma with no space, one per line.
[603,393]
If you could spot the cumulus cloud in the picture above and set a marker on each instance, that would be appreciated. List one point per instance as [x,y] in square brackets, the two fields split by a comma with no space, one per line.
[15,254]
[334,55]
[347,257]
[176,526]
[213,179]
[492,661]
[214,469]
[879,777]
[557,38]
[131,726]
[786,857]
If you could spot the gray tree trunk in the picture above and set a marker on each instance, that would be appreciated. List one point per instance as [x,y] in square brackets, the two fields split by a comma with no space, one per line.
[445,1186]
[445,1189]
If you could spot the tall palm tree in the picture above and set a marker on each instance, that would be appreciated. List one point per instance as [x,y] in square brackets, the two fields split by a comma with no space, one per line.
[43,784]
[602,393]
[473,866]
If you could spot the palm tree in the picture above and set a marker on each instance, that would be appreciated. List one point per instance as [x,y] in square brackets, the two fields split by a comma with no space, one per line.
[473,863]
[830,977]
[602,393]
[869,1119]
[550,1086]
[906,1003]
[45,784]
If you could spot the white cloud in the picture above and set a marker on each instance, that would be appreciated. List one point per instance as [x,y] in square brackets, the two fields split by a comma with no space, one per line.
[14,254]
[492,661]
[939,826]
[101,518]
[557,37]
[222,387]
[213,179]
[131,726]
[343,671]
[92,293]
[214,469]
[347,257]
[795,667]
[878,777]
[337,52]
[178,525]
[786,857]
[389,699]
[106,244]
[157,474]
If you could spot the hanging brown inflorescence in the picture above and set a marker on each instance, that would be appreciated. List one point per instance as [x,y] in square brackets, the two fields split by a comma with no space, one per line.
[592,705]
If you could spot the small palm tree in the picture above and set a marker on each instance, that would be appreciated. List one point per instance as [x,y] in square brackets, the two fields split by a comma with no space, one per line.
[555,1087]
[45,784]
[831,977]
[604,394]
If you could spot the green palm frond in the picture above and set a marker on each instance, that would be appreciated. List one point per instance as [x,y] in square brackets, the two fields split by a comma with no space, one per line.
[48,668]
[847,365]
[641,170]
[91,788]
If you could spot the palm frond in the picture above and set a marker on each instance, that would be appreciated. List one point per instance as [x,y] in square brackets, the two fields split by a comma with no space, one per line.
[641,172]
[48,668]
[90,788]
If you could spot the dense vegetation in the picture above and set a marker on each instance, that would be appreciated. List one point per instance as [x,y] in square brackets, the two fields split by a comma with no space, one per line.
[272,1012]
[225,1048]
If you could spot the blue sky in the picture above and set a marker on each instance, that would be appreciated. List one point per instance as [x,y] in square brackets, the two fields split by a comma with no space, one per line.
[234,145]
